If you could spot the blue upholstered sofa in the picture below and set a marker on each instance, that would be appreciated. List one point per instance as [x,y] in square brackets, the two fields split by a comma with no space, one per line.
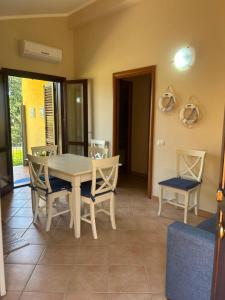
[190,255]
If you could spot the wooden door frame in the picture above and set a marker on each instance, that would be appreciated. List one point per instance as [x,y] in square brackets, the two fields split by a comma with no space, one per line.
[151,70]
[65,140]
[31,75]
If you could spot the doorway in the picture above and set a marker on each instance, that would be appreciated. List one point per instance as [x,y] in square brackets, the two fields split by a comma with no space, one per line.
[32,121]
[31,103]
[133,121]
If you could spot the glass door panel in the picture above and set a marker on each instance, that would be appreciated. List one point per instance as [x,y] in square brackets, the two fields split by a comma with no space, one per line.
[6,173]
[76,117]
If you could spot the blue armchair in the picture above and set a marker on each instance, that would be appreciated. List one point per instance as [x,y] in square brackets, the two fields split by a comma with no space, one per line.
[190,256]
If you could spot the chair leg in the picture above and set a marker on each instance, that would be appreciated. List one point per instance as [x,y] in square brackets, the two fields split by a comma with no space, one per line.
[49,219]
[71,210]
[93,225]
[186,203]
[33,200]
[112,211]
[196,201]
[160,201]
[36,206]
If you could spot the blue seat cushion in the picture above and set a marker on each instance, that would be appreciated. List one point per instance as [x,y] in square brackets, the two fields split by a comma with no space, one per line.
[209,225]
[42,177]
[86,189]
[58,184]
[180,183]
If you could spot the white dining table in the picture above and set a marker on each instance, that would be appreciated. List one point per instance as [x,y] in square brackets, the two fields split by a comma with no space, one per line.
[75,169]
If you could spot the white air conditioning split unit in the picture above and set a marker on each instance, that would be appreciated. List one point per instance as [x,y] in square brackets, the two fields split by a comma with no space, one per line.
[39,51]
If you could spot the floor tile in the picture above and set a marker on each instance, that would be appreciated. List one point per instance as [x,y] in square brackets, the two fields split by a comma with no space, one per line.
[92,255]
[124,255]
[84,296]
[42,296]
[26,255]
[130,297]
[24,212]
[38,237]
[46,278]
[59,255]
[17,276]
[11,296]
[91,279]
[127,279]
[19,222]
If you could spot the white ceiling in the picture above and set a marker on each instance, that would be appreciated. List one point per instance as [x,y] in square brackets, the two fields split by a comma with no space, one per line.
[34,8]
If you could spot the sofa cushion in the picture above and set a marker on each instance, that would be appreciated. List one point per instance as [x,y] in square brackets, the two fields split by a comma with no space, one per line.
[209,225]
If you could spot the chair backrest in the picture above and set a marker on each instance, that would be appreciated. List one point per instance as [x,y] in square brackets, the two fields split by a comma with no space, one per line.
[44,150]
[98,143]
[38,168]
[107,170]
[98,153]
[190,164]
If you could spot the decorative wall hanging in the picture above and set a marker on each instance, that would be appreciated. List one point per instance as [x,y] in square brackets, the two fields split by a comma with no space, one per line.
[167,100]
[189,115]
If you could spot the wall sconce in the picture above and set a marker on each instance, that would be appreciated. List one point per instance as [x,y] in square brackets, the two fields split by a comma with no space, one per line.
[184,58]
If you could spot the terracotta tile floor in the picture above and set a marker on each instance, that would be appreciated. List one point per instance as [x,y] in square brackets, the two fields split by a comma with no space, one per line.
[125,264]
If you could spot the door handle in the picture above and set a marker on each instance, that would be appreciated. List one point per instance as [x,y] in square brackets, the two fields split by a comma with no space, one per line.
[221,227]
[219,195]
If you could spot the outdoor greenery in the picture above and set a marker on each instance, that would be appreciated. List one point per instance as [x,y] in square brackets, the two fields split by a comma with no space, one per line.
[15,100]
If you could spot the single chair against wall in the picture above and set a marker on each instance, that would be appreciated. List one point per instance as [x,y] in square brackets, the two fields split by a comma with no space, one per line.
[44,150]
[48,189]
[190,165]
[95,192]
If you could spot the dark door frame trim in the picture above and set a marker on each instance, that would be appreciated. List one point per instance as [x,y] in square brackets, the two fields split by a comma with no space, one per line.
[151,70]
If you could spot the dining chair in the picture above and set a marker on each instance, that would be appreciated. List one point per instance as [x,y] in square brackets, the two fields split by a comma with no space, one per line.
[98,152]
[44,150]
[190,164]
[95,192]
[98,143]
[48,189]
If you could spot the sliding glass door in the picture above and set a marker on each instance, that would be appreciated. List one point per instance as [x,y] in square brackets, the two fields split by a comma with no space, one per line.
[76,124]
[6,171]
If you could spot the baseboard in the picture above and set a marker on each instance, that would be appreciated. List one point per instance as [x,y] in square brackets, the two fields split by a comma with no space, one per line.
[201,212]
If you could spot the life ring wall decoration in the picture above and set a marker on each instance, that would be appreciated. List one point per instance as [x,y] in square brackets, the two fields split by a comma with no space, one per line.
[167,101]
[189,115]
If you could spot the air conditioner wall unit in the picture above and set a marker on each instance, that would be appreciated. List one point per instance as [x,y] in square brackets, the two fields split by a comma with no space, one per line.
[39,51]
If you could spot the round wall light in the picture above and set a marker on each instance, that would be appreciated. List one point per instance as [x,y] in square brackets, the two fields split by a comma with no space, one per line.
[184,58]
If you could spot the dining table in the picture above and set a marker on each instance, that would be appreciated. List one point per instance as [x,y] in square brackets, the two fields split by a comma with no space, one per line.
[75,169]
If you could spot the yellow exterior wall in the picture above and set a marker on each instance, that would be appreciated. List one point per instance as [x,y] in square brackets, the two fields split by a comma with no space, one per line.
[33,99]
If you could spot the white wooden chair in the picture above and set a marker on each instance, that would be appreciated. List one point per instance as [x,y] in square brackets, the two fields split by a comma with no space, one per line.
[97,152]
[95,192]
[190,165]
[44,150]
[2,271]
[98,143]
[48,189]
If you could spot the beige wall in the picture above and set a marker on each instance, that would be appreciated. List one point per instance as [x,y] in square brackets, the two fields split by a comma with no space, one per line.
[50,31]
[149,33]
[140,124]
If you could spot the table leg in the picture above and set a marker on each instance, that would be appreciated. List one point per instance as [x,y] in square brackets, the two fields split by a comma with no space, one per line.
[2,273]
[76,205]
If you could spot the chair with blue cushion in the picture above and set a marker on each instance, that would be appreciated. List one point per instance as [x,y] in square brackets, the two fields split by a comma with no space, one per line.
[100,189]
[190,260]
[48,189]
[190,165]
